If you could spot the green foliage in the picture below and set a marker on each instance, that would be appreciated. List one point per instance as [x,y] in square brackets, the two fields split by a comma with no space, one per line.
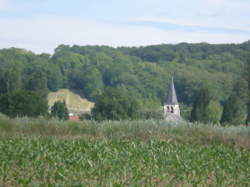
[37,82]
[200,107]
[114,104]
[185,111]
[59,110]
[151,109]
[104,163]
[143,72]
[54,78]
[10,79]
[23,103]
[234,111]
[205,108]
[214,112]
[92,83]
[151,114]
[85,116]
[247,75]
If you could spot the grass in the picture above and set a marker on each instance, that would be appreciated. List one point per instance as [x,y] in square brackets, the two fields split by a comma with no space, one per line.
[130,130]
[74,100]
[40,152]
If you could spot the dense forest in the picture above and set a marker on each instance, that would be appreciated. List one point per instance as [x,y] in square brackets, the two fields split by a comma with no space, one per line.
[143,72]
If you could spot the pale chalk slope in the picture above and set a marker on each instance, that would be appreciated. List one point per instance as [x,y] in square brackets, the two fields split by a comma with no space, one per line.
[74,100]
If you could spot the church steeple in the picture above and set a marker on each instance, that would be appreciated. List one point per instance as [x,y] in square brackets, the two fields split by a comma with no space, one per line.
[171,107]
[172,98]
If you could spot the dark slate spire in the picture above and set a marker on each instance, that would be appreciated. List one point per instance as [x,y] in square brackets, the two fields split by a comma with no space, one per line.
[172,98]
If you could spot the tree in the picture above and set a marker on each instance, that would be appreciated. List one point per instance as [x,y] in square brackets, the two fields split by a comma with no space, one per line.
[247,65]
[234,111]
[214,112]
[37,82]
[10,79]
[59,110]
[199,111]
[115,104]
[92,83]
[55,79]
[185,111]
[23,103]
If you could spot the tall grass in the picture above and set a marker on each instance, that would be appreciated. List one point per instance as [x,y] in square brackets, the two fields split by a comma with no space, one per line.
[133,130]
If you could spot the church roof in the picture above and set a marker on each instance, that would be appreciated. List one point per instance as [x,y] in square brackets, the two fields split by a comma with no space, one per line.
[172,98]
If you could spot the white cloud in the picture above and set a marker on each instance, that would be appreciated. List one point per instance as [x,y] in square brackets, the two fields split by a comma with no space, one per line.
[45,33]
[14,6]
[227,2]
[228,14]
[207,22]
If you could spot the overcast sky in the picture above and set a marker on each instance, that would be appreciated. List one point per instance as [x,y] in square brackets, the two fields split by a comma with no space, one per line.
[41,25]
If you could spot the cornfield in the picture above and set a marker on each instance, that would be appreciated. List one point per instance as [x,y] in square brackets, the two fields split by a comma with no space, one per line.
[39,152]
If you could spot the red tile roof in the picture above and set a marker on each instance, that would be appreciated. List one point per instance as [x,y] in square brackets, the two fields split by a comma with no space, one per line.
[74,118]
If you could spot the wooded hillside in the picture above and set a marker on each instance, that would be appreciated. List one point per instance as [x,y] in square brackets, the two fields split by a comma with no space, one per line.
[144,72]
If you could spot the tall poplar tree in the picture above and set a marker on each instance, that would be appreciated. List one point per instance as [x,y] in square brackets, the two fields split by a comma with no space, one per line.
[200,106]
[248,89]
[234,111]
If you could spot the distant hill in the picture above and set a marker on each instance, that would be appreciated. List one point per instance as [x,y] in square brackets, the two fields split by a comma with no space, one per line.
[144,72]
[74,100]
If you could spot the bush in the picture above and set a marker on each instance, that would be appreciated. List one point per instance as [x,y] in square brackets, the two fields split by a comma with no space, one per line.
[59,110]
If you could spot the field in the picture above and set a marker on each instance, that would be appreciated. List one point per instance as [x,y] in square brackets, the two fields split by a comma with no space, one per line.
[38,152]
[74,101]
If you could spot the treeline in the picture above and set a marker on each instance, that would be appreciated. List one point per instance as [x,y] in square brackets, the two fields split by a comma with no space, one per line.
[143,72]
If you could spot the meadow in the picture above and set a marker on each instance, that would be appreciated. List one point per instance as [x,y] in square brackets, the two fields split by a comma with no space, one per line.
[40,152]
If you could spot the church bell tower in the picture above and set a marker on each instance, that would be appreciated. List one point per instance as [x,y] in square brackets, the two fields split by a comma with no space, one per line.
[171,107]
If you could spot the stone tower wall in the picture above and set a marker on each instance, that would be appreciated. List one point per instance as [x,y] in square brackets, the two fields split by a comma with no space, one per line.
[171,109]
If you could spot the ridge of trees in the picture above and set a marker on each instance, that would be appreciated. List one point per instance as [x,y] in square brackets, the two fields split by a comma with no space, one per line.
[143,72]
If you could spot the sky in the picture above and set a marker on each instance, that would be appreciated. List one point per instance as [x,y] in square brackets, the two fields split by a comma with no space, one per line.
[42,25]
